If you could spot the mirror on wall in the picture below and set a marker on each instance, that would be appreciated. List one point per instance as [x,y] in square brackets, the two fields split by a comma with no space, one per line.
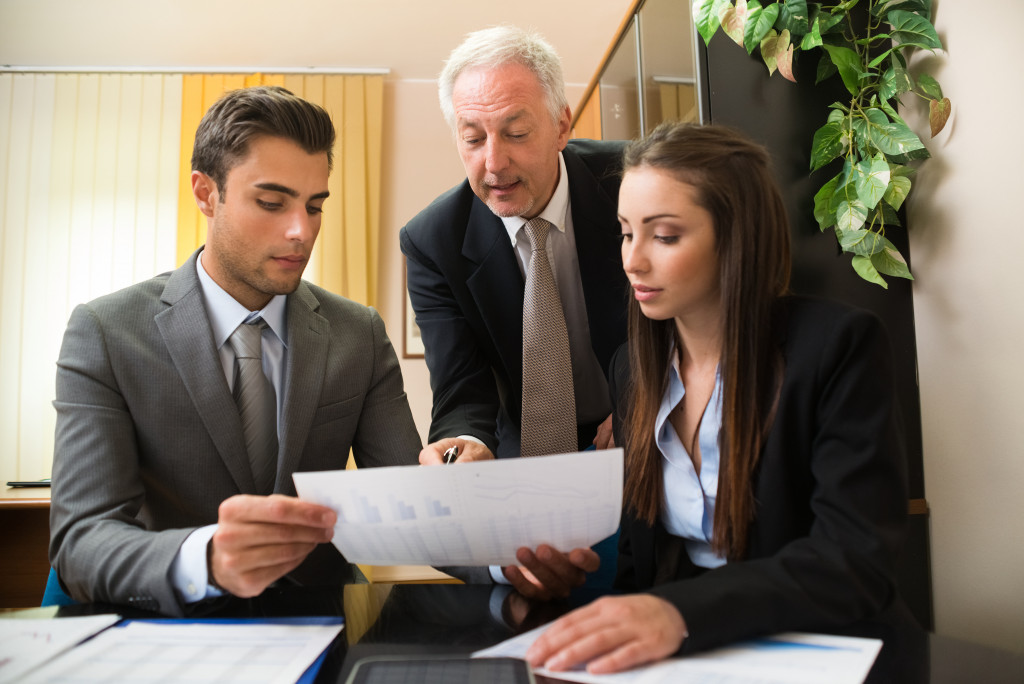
[649,76]
[668,63]
[619,89]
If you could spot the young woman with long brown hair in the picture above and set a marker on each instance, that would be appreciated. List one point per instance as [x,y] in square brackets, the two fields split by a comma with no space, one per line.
[765,474]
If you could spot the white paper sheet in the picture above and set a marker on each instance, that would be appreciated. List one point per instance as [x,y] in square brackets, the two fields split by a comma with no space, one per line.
[192,652]
[470,513]
[28,643]
[789,658]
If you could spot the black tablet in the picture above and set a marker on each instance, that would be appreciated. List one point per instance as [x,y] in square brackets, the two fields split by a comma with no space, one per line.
[441,670]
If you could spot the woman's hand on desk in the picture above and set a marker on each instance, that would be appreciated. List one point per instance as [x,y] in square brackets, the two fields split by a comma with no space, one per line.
[549,573]
[260,539]
[611,634]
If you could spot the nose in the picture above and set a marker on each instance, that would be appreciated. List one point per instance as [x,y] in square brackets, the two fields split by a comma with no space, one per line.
[634,257]
[302,226]
[496,158]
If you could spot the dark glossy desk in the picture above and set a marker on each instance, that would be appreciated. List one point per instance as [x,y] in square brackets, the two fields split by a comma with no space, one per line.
[459,619]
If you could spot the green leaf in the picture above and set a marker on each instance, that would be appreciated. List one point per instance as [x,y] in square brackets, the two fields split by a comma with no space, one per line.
[872,179]
[848,63]
[899,188]
[794,18]
[851,215]
[866,270]
[880,58]
[822,201]
[863,242]
[909,28]
[922,7]
[894,138]
[706,16]
[759,23]
[883,216]
[813,37]
[929,87]
[827,144]
[895,81]
[826,69]
[827,22]
[890,262]
[893,114]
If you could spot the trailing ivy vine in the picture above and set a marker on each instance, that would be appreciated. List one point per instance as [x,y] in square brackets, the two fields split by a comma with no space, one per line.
[867,48]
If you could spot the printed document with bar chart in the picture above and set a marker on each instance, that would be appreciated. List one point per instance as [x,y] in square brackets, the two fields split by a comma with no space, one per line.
[470,513]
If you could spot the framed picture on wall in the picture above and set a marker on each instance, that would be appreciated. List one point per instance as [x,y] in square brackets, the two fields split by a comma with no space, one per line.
[412,342]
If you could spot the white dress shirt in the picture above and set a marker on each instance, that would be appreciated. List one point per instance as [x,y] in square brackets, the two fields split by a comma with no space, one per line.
[688,509]
[188,570]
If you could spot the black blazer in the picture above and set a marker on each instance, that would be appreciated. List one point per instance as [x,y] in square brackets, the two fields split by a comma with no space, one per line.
[467,291]
[830,490]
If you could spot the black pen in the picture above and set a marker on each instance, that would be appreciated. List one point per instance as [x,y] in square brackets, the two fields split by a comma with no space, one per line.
[451,454]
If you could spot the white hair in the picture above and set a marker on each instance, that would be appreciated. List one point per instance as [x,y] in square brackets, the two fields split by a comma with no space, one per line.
[495,47]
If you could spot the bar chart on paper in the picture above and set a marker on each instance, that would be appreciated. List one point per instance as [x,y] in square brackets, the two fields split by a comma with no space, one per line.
[473,513]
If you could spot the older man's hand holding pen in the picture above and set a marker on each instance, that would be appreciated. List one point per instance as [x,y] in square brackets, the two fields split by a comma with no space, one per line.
[466,450]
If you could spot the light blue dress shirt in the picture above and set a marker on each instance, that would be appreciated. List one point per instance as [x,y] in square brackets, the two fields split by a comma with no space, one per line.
[688,509]
[188,570]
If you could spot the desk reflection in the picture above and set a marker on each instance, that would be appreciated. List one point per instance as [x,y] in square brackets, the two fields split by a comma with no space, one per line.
[452,619]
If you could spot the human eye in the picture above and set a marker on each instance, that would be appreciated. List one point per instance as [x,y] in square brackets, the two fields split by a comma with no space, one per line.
[667,239]
[312,209]
[268,205]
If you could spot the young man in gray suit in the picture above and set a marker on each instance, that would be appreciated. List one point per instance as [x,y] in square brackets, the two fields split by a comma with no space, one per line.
[162,496]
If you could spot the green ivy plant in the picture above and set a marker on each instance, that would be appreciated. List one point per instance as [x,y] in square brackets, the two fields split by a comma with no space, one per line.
[868,51]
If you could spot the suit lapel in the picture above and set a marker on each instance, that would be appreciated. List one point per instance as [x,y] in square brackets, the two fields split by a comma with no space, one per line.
[596,228]
[186,331]
[308,343]
[496,285]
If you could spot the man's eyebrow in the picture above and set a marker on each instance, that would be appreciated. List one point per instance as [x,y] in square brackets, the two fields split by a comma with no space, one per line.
[276,187]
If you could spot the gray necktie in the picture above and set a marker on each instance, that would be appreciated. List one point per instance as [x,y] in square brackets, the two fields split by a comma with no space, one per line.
[549,404]
[257,404]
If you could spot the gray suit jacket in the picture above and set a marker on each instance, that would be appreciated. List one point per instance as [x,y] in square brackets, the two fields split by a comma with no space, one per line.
[149,441]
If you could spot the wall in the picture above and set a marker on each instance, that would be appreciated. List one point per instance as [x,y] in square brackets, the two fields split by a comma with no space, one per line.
[405,36]
[967,240]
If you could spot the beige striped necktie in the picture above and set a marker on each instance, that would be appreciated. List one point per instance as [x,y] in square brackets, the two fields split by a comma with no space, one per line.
[549,403]
[257,403]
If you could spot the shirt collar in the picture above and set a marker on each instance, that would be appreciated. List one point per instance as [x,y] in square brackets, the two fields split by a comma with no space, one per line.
[226,313]
[555,211]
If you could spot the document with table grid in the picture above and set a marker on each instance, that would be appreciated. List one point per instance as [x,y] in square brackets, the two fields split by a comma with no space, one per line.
[470,513]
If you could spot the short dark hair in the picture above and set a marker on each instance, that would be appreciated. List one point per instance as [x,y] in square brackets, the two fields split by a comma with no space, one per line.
[239,116]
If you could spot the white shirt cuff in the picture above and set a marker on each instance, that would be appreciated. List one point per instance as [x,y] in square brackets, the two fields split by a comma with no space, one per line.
[188,570]
[497,575]
[471,438]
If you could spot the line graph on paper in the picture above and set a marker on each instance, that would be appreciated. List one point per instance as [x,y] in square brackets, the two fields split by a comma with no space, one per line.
[470,514]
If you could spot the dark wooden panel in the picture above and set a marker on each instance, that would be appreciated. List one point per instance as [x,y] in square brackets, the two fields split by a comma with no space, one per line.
[24,536]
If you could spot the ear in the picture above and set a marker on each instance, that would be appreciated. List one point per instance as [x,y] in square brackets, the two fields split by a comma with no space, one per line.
[564,127]
[204,189]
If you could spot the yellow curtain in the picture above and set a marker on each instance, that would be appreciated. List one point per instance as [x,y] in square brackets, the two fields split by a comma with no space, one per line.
[345,259]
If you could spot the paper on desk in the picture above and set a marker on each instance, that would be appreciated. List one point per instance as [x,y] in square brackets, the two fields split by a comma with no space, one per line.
[470,513]
[28,643]
[192,652]
[789,658]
